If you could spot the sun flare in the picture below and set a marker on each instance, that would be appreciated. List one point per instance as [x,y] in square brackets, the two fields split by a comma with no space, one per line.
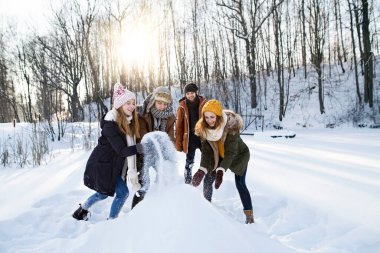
[138,46]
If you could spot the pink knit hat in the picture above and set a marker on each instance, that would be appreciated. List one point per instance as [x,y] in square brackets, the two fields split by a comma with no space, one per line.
[121,95]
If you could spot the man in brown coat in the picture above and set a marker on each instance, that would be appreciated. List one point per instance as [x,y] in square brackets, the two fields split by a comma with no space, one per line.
[155,114]
[189,110]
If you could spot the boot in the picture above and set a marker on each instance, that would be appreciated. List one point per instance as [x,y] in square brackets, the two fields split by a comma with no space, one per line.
[188,175]
[249,216]
[136,200]
[80,213]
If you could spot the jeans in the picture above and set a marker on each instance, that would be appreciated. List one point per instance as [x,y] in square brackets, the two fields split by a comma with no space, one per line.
[122,193]
[244,194]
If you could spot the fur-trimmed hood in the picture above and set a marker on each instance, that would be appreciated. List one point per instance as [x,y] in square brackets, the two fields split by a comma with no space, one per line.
[234,122]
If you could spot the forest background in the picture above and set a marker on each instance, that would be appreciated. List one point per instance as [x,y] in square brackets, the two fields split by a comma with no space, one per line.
[258,57]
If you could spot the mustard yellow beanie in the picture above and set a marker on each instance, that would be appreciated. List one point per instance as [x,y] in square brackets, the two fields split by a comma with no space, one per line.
[214,106]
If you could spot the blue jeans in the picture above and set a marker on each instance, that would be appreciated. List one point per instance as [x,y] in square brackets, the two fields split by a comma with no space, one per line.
[122,193]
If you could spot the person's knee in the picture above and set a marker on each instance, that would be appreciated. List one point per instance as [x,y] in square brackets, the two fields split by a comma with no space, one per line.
[100,196]
[122,192]
[125,192]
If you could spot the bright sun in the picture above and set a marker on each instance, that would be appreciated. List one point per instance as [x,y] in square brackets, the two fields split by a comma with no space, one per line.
[138,46]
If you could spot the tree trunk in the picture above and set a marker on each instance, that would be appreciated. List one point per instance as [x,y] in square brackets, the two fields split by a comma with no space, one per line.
[354,52]
[303,20]
[336,12]
[368,64]
[277,39]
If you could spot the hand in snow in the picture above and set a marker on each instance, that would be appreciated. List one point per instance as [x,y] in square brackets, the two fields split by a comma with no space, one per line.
[198,176]
[219,178]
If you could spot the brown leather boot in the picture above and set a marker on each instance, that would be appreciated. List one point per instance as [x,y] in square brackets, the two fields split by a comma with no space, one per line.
[249,216]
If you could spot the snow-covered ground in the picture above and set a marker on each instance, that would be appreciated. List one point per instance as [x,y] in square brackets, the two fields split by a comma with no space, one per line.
[317,192]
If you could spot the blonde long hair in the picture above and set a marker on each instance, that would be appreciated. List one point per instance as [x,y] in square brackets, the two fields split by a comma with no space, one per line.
[202,126]
[125,128]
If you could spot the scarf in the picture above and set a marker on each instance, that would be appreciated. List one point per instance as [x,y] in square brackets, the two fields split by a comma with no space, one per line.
[160,118]
[130,161]
[193,108]
[215,135]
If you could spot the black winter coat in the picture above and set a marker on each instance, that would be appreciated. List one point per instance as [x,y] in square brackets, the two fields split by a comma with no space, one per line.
[107,159]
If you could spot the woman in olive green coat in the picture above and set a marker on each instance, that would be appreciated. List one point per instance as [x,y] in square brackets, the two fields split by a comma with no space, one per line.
[222,149]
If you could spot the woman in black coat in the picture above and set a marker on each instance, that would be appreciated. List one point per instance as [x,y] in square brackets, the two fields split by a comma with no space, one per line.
[114,158]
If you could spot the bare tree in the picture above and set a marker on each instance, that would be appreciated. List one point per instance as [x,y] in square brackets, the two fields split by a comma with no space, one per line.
[7,97]
[87,21]
[66,50]
[195,33]
[358,31]
[279,59]
[338,37]
[235,69]
[368,56]
[250,22]
[23,66]
[303,40]
[354,53]
[318,24]
[205,55]
[180,40]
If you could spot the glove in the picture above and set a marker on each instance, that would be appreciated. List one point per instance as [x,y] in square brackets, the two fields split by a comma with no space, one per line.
[197,178]
[140,148]
[219,177]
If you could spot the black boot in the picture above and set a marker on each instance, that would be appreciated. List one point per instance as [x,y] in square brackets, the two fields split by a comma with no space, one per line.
[137,199]
[188,175]
[80,213]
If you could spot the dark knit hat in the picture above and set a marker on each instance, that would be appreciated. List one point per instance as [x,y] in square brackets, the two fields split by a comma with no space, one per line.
[191,87]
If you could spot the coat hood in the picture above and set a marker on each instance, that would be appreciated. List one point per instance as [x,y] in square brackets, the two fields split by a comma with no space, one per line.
[234,122]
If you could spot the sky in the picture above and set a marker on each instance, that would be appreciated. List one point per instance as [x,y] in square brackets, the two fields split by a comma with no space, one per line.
[318,192]
[25,14]
[20,7]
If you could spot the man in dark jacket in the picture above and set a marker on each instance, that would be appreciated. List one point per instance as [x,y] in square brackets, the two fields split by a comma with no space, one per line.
[189,110]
